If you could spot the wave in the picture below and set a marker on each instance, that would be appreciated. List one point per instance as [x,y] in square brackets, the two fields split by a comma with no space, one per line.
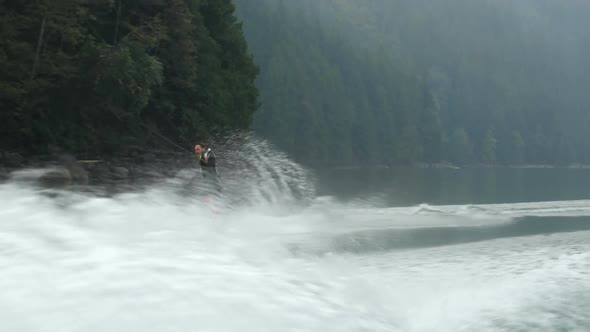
[272,256]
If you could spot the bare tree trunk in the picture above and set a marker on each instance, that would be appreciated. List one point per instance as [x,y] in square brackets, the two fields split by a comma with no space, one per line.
[119,5]
[39,44]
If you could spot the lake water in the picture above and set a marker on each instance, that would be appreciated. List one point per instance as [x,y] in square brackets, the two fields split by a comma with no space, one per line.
[407,186]
[387,250]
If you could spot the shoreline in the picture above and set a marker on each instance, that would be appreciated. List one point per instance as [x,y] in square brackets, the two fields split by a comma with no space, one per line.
[459,167]
[64,170]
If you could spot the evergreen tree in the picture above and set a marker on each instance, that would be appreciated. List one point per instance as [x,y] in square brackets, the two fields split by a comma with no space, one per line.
[460,147]
[98,76]
[518,148]
[373,73]
[489,147]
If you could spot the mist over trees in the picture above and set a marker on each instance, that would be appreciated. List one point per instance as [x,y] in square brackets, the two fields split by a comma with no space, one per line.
[342,82]
[349,82]
[98,76]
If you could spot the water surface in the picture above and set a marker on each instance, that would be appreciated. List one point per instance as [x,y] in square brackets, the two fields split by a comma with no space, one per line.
[391,250]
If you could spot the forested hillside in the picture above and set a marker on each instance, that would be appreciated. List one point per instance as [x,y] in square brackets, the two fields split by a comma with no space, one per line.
[350,82]
[98,76]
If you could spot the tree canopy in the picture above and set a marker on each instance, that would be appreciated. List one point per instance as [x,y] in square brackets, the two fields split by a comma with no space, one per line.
[97,76]
[468,81]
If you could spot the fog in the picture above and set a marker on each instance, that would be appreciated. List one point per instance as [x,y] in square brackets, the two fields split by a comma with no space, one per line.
[508,79]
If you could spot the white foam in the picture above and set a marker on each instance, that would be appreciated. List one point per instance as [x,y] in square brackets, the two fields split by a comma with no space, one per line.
[144,262]
[160,260]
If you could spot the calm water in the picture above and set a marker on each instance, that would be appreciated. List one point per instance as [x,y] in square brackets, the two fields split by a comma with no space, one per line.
[408,186]
[389,250]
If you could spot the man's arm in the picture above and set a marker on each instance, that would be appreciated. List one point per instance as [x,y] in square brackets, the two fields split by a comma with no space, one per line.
[210,158]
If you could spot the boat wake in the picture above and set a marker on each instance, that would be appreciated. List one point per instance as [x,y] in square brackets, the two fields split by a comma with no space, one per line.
[273,257]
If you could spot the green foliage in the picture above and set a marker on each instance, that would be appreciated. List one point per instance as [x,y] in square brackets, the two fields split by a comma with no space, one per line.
[460,147]
[518,148]
[326,101]
[489,147]
[95,76]
[409,148]
[431,131]
[391,81]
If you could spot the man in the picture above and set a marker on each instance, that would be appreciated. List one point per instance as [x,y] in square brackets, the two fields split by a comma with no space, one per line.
[207,162]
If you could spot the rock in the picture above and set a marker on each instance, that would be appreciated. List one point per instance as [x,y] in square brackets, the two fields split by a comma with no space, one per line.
[445,165]
[120,172]
[421,165]
[77,173]
[13,159]
[59,177]
[99,171]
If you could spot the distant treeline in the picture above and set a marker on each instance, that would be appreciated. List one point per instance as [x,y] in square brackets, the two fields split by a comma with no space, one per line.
[401,81]
[96,76]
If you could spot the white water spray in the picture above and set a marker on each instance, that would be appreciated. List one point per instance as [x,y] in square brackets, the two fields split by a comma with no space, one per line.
[157,261]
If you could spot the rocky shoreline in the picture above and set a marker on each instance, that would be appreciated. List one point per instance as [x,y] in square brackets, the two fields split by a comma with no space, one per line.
[62,169]
[65,170]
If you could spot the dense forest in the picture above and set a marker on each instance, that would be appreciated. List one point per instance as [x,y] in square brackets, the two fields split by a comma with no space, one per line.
[349,82]
[342,82]
[96,77]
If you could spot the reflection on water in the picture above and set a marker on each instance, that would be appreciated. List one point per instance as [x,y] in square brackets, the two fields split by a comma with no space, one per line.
[410,186]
